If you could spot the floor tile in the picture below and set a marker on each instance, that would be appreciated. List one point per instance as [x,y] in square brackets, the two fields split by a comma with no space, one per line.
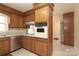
[22,52]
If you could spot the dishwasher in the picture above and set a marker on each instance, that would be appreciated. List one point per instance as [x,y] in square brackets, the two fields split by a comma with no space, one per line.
[14,43]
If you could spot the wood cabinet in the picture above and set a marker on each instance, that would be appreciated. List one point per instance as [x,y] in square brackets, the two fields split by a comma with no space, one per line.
[28,17]
[32,44]
[28,43]
[44,14]
[41,48]
[4,46]
[13,21]
[35,45]
[16,21]
[23,42]
[41,15]
[20,22]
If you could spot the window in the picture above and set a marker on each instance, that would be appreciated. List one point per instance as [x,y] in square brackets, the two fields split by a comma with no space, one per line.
[4,20]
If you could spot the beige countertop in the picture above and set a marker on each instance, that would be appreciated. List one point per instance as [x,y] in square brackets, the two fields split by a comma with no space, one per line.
[32,35]
[35,35]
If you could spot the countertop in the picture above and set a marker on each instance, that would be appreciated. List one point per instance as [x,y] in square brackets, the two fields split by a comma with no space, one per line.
[32,35]
[35,35]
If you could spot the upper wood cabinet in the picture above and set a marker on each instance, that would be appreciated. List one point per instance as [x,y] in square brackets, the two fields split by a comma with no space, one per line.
[20,22]
[41,15]
[16,21]
[29,15]
[13,21]
[4,46]
[29,18]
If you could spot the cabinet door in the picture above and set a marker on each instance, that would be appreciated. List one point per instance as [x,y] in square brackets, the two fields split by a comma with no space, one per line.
[41,48]
[28,18]
[41,15]
[13,21]
[28,43]
[24,42]
[20,21]
[32,44]
[1,48]
[4,46]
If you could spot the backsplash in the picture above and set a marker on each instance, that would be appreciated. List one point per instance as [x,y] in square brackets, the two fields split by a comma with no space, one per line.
[14,31]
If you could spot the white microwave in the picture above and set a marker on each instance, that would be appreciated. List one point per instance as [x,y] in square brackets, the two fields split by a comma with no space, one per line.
[31,29]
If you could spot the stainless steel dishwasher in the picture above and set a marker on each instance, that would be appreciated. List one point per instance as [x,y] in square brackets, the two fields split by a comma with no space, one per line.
[14,43]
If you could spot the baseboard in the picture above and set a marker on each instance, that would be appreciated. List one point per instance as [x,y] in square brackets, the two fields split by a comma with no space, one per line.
[68,44]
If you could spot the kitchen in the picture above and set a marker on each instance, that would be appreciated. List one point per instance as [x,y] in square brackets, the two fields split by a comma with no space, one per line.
[29,30]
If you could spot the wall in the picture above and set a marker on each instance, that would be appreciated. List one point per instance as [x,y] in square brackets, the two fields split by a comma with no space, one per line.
[56,24]
[76,26]
[14,31]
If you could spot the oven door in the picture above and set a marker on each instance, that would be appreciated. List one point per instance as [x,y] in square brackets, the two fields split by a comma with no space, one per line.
[41,30]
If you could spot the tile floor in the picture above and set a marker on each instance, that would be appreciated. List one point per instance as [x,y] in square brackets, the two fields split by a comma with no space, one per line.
[22,52]
[63,50]
[58,50]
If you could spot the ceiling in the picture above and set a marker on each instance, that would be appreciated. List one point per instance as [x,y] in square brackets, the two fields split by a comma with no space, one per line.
[59,7]
[64,7]
[23,7]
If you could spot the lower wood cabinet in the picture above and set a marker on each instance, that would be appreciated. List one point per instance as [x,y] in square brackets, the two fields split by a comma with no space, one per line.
[35,45]
[41,48]
[4,46]
[24,45]
[28,43]
[32,44]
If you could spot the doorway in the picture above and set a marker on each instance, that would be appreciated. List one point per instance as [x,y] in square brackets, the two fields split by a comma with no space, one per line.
[61,36]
